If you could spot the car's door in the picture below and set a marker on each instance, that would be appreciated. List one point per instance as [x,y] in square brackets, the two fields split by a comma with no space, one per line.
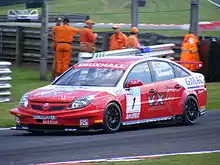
[136,97]
[163,74]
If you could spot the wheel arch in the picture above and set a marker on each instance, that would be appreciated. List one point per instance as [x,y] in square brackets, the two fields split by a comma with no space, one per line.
[119,105]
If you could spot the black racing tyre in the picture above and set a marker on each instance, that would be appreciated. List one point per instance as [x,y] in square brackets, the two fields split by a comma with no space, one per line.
[190,111]
[112,118]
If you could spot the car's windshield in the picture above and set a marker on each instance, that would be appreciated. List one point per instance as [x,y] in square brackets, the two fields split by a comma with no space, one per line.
[22,11]
[102,77]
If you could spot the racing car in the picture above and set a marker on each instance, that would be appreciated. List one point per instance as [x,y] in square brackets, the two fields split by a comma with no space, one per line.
[112,91]
[23,15]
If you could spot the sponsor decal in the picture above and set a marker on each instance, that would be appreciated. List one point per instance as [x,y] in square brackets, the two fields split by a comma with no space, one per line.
[133,100]
[99,54]
[101,65]
[156,99]
[132,115]
[84,122]
[48,93]
[50,122]
[70,129]
[39,117]
[194,82]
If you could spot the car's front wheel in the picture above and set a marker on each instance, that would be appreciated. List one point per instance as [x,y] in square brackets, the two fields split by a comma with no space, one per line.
[190,111]
[112,118]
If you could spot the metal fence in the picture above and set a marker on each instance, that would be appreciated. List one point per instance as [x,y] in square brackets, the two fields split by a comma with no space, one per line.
[4,81]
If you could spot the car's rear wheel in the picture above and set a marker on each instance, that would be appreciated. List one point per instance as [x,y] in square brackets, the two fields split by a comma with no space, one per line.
[112,118]
[190,111]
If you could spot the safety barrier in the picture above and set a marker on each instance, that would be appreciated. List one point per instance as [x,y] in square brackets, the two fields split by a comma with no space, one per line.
[79,23]
[4,82]
[74,18]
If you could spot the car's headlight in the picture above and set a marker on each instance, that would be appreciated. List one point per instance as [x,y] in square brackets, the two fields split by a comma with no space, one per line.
[80,102]
[24,101]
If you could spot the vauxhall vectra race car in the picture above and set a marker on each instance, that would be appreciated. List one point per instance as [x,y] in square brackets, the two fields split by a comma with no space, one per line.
[110,92]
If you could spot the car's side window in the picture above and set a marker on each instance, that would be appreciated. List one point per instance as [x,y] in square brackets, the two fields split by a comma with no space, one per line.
[162,70]
[179,72]
[140,72]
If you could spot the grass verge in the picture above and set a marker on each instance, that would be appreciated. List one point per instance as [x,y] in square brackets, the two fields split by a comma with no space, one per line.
[25,79]
[119,11]
[156,11]
[203,159]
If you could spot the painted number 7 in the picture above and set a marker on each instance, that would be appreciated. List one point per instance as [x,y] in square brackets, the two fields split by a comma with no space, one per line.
[134,99]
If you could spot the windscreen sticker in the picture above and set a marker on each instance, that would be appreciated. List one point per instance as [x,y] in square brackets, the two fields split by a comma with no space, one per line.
[101,65]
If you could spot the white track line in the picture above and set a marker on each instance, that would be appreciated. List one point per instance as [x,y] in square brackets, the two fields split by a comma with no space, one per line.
[134,158]
[216,4]
[3,129]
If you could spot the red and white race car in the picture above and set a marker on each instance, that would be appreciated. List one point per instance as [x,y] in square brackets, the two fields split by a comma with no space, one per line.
[109,92]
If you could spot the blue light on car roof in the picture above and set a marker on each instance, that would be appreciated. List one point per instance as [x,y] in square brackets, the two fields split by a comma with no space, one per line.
[146,50]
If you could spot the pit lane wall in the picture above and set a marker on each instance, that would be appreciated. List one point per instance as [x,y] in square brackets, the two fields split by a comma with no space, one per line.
[23,44]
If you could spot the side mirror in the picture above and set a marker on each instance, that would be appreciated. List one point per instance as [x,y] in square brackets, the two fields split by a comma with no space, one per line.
[134,83]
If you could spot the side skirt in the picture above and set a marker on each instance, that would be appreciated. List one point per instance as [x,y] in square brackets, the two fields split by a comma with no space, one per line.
[134,122]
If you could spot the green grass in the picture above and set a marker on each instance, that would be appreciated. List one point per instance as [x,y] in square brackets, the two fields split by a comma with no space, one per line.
[24,80]
[213,95]
[203,159]
[156,11]
[118,11]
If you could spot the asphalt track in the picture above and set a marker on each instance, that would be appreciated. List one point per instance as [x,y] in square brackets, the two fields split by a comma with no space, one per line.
[19,148]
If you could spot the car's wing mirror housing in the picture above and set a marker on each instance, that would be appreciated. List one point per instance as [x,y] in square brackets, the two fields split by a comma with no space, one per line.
[133,83]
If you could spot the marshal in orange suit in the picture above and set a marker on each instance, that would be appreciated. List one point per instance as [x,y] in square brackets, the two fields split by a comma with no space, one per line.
[64,37]
[189,52]
[118,40]
[87,37]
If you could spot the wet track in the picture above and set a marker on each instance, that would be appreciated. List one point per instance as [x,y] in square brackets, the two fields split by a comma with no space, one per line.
[19,148]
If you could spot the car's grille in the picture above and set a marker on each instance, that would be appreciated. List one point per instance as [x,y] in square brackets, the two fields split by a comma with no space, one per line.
[56,108]
[36,107]
[53,107]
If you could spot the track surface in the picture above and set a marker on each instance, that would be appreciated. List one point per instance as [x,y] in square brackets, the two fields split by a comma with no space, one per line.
[19,148]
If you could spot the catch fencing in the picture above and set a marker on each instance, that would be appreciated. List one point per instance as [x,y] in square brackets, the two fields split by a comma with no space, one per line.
[5,79]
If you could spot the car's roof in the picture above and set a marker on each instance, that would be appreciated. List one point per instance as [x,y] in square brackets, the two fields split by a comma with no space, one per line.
[121,59]
[126,61]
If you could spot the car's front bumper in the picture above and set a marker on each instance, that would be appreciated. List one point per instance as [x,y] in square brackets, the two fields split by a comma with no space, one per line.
[84,120]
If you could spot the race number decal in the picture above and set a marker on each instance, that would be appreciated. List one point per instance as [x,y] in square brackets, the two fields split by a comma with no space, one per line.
[133,100]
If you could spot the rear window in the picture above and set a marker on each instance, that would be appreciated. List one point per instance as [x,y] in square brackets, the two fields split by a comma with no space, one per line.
[162,70]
